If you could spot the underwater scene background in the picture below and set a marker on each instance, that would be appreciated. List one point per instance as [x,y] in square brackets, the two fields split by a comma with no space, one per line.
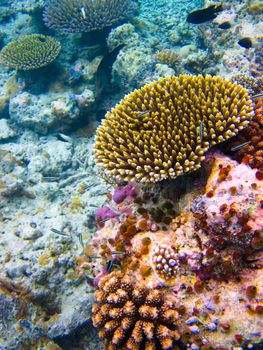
[131,168]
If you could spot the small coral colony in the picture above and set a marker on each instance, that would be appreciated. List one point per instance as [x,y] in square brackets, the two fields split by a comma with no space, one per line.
[176,262]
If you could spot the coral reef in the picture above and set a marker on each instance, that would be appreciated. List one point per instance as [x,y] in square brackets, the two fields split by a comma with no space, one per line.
[195,241]
[41,179]
[46,112]
[85,16]
[252,84]
[206,264]
[131,316]
[6,132]
[164,129]
[31,52]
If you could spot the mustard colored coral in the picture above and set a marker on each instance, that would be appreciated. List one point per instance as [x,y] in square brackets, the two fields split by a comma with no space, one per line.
[31,52]
[131,316]
[164,129]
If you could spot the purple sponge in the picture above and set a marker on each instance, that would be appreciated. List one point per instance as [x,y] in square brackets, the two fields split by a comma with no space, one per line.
[120,193]
[105,213]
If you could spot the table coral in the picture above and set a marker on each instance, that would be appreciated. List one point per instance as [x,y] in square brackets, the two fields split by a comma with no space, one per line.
[164,129]
[31,52]
[213,252]
[85,16]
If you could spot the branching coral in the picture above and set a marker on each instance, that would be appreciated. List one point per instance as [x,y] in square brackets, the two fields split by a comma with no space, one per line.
[31,52]
[252,84]
[85,15]
[131,316]
[164,129]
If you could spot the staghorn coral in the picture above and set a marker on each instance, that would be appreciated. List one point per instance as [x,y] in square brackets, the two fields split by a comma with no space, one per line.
[131,316]
[85,15]
[164,129]
[31,52]
[252,138]
[169,57]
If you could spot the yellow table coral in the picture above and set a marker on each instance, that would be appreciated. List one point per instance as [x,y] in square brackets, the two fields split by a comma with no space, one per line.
[164,129]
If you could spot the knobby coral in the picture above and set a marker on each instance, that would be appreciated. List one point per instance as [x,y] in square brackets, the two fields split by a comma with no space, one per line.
[164,129]
[85,15]
[131,316]
[169,57]
[31,52]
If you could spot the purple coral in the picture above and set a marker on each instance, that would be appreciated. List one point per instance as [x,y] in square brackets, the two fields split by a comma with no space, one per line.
[105,213]
[120,193]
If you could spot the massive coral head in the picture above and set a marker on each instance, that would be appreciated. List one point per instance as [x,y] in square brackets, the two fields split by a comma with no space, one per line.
[132,316]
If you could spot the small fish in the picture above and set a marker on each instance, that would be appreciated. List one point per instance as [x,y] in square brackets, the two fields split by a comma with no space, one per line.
[94,257]
[245,42]
[253,260]
[109,266]
[63,137]
[58,232]
[102,221]
[83,13]
[117,253]
[142,113]
[204,15]
[258,95]
[236,148]
[50,178]
[225,25]
[103,74]
[89,280]
[201,130]
[80,237]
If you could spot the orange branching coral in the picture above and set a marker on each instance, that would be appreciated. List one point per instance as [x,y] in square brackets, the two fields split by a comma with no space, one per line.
[131,316]
[169,57]
[164,129]
[252,139]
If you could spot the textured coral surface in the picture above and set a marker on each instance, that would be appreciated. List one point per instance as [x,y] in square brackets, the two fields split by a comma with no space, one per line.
[132,316]
[85,15]
[207,262]
[164,129]
[252,138]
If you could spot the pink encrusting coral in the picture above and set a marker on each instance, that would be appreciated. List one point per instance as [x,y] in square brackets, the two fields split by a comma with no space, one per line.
[207,261]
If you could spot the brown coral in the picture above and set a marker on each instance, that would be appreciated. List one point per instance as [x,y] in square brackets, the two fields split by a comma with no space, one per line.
[164,129]
[252,138]
[131,316]
[169,57]
[253,85]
